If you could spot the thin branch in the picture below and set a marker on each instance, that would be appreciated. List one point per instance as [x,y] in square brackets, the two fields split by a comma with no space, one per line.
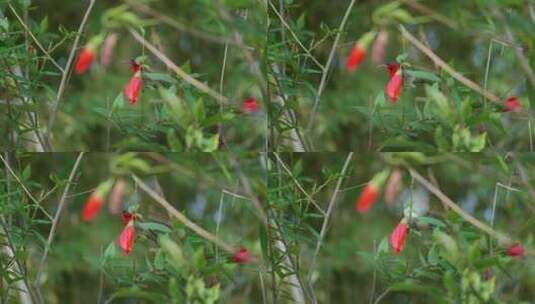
[298,184]
[182,27]
[182,218]
[64,75]
[181,73]
[56,220]
[323,80]
[8,167]
[334,196]
[439,62]
[34,38]
[295,36]
[469,218]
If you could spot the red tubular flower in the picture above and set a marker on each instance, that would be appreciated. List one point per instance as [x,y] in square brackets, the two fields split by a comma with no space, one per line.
[516,250]
[84,60]
[367,198]
[127,237]
[127,217]
[393,185]
[378,48]
[250,105]
[132,89]
[106,52]
[392,69]
[355,58]
[92,207]
[116,197]
[394,86]
[242,256]
[399,236]
[512,105]
[370,194]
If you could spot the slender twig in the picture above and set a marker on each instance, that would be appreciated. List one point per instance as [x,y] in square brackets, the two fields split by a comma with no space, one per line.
[182,27]
[8,167]
[34,38]
[330,207]
[524,62]
[181,73]
[325,73]
[298,184]
[64,75]
[295,36]
[467,217]
[439,62]
[220,128]
[431,13]
[56,220]
[182,218]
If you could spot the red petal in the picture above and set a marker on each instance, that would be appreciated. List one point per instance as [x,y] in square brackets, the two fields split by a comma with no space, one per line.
[394,86]
[92,207]
[516,250]
[132,89]
[250,105]
[241,256]
[84,60]
[127,237]
[355,58]
[367,198]
[398,237]
[392,68]
[512,105]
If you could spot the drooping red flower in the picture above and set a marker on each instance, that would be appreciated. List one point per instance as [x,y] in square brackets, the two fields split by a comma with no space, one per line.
[516,250]
[84,60]
[242,256]
[250,106]
[116,197]
[378,48]
[355,58]
[106,52]
[92,207]
[126,217]
[132,89]
[393,185]
[399,236]
[394,86]
[392,68]
[127,237]
[367,198]
[512,105]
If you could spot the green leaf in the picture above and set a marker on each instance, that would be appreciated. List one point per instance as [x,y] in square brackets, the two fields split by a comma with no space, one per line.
[153,226]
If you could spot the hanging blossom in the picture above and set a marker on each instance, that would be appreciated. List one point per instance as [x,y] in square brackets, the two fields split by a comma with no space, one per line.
[512,105]
[516,250]
[106,52]
[127,237]
[379,46]
[242,256]
[393,185]
[250,106]
[399,236]
[358,51]
[370,194]
[84,60]
[116,196]
[95,201]
[395,84]
[132,89]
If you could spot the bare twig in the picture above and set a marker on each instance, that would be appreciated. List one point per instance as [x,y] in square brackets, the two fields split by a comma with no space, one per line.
[182,218]
[64,75]
[171,65]
[8,167]
[47,54]
[323,80]
[439,62]
[469,218]
[56,220]
[431,13]
[323,230]
[181,27]
[298,184]
[295,36]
